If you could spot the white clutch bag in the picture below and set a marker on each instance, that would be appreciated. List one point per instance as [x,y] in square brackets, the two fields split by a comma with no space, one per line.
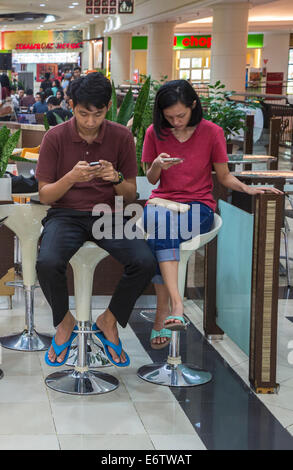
[171,205]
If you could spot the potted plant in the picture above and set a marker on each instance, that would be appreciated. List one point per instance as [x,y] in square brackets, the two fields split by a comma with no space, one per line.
[220,109]
[8,142]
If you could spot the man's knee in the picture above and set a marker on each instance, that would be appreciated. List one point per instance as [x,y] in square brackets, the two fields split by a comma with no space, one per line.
[146,263]
[49,266]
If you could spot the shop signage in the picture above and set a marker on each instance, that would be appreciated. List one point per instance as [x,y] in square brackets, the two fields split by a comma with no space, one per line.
[182,42]
[49,45]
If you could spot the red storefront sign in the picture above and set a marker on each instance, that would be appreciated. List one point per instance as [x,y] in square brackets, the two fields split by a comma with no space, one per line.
[48,46]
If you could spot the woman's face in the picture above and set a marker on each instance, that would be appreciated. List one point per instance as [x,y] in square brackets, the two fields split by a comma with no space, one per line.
[178,115]
[58,95]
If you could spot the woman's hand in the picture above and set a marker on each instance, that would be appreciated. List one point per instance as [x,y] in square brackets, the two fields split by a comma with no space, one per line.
[160,163]
[252,190]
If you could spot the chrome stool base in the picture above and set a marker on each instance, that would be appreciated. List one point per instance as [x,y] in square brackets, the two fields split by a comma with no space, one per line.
[95,356]
[26,341]
[74,382]
[180,375]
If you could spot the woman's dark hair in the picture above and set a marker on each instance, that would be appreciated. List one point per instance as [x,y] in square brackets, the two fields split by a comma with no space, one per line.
[57,83]
[62,94]
[169,94]
[5,82]
[48,92]
[42,96]
[92,90]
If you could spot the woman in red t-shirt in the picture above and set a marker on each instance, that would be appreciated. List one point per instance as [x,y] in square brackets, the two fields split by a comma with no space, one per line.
[179,132]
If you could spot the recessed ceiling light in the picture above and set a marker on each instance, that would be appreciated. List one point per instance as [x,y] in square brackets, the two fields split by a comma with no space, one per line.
[75,3]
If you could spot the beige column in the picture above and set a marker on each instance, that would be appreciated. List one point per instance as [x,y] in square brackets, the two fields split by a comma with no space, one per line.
[229,44]
[160,50]
[120,57]
[276,51]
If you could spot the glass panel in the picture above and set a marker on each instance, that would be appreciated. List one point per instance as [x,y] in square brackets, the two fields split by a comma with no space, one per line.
[234,270]
[184,74]
[196,62]
[206,74]
[196,74]
[184,63]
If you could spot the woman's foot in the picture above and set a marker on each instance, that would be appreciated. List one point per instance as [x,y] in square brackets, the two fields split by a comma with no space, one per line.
[63,333]
[108,325]
[177,311]
[158,326]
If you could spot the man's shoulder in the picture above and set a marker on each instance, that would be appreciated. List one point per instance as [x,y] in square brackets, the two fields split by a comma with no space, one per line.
[118,129]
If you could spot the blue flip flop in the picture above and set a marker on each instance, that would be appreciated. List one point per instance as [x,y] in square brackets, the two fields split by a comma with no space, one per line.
[105,343]
[59,348]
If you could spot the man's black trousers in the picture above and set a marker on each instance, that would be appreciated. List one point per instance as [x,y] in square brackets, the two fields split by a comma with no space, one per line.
[65,231]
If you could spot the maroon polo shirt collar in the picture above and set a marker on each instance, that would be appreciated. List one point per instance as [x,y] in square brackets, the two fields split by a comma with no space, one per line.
[77,138]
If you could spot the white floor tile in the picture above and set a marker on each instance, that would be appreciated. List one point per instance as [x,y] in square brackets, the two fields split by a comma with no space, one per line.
[26,389]
[98,418]
[177,442]
[32,442]
[164,418]
[26,418]
[101,442]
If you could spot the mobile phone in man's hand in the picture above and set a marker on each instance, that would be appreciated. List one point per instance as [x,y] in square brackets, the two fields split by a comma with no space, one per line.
[94,163]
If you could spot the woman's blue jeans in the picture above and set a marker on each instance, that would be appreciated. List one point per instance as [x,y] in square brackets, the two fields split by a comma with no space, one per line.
[168,228]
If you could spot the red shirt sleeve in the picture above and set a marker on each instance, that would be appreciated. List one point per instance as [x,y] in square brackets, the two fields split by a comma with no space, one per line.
[149,152]
[48,158]
[219,149]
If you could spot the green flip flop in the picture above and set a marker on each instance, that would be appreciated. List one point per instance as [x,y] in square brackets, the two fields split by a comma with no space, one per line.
[163,333]
[175,326]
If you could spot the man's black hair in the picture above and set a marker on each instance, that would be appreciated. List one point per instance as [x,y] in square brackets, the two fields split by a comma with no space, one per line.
[53,100]
[92,90]
[77,68]
[173,92]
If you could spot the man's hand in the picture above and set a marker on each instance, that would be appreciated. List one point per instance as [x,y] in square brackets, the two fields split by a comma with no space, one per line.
[108,172]
[83,172]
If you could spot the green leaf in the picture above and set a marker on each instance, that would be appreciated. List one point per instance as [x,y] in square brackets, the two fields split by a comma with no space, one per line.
[7,150]
[139,147]
[46,123]
[112,113]
[59,119]
[126,109]
[140,105]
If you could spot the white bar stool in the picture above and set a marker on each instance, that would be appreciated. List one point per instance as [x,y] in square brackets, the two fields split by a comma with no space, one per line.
[25,221]
[173,373]
[81,380]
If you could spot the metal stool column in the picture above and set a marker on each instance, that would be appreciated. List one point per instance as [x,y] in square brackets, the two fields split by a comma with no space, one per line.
[173,373]
[25,221]
[81,380]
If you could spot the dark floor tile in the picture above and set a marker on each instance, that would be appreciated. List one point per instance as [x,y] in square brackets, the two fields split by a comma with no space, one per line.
[225,413]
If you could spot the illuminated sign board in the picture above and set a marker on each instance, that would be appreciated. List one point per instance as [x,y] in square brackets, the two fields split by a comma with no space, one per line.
[49,45]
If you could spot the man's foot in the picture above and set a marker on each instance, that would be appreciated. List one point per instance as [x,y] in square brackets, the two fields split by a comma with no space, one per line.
[108,325]
[62,335]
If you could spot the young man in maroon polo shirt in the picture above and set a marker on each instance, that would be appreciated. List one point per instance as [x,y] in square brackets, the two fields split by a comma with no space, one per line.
[72,188]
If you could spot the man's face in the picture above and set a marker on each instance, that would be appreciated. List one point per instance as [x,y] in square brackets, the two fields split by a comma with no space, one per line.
[21,93]
[76,73]
[89,120]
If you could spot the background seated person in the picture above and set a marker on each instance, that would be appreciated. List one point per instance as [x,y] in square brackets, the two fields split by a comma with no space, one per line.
[54,107]
[47,83]
[40,105]
[28,100]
